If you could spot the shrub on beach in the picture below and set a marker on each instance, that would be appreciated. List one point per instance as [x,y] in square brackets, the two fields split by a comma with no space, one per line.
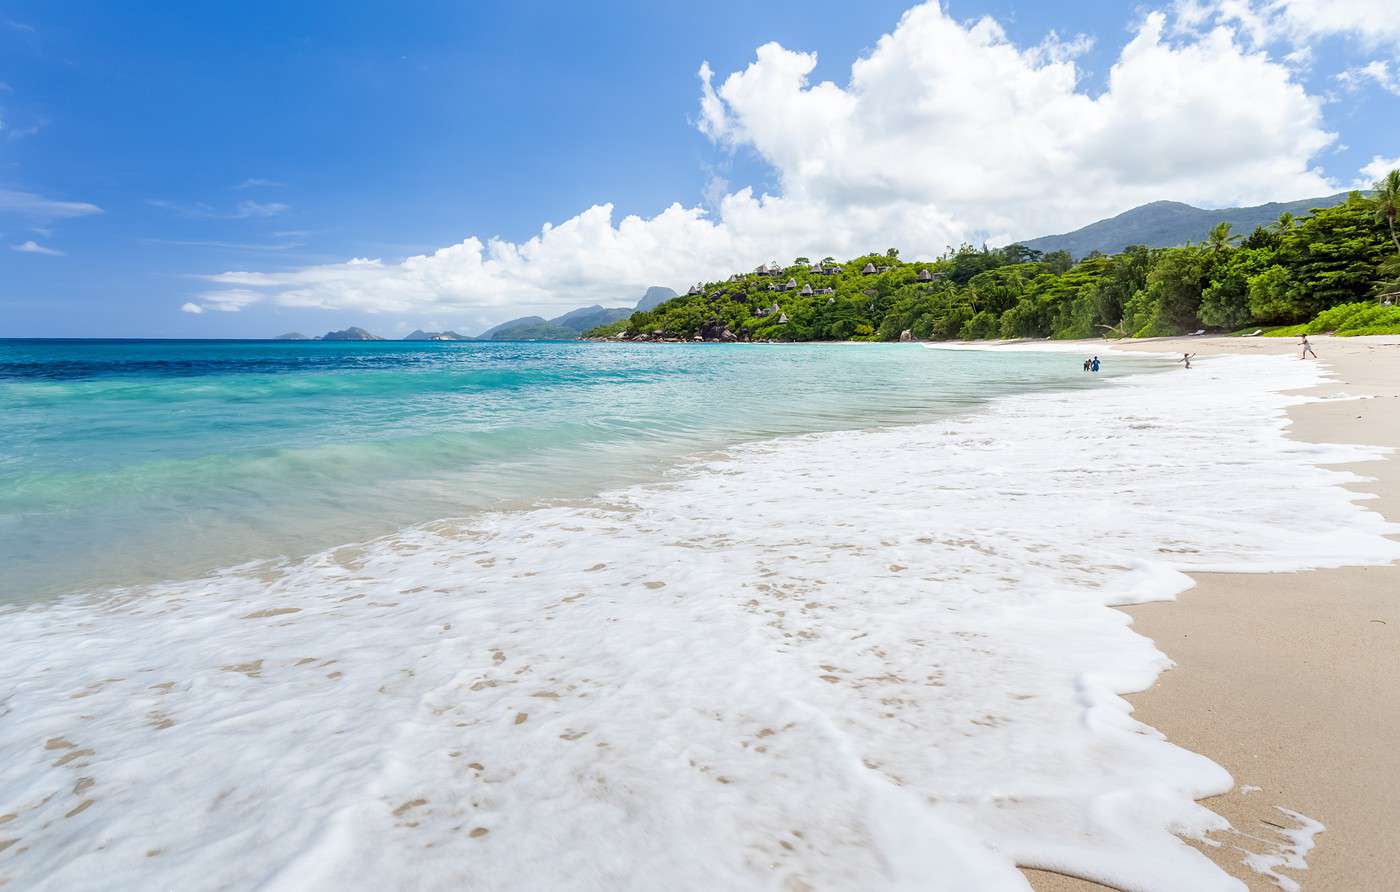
[1357,319]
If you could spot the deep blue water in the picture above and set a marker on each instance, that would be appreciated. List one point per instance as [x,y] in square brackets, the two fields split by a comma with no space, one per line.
[129,461]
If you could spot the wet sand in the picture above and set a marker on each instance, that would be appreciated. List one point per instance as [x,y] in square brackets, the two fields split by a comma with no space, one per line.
[1291,681]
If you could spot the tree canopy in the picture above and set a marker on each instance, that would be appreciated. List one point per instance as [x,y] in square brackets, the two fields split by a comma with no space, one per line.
[1286,273]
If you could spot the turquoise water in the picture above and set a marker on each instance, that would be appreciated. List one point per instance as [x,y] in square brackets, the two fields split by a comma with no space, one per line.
[124,462]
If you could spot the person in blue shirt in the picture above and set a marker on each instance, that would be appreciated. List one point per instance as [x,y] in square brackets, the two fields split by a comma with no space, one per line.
[1094,366]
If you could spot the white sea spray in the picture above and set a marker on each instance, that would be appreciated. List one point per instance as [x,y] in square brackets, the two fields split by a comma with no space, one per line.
[848,661]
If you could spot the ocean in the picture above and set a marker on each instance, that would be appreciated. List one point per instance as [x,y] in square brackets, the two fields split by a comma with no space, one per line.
[547,616]
[126,462]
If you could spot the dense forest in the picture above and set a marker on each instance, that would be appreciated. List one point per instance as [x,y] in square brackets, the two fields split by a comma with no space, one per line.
[1334,269]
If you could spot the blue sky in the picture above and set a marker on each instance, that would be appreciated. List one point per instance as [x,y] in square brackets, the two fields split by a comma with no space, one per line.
[278,141]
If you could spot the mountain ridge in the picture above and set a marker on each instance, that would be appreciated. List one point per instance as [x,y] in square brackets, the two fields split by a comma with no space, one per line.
[1169,224]
[571,325]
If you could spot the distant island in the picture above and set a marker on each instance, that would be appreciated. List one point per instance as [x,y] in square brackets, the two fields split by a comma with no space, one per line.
[1333,268]
[420,335]
[567,327]
[350,334]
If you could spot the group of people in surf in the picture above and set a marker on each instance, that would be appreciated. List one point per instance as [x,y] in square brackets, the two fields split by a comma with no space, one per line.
[1307,351]
[1092,365]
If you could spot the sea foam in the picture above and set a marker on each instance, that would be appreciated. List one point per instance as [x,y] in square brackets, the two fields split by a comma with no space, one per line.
[861,660]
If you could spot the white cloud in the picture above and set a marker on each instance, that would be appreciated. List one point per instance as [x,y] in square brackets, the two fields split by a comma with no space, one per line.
[1376,168]
[224,301]
[33,247]
[1377,72]
[286,242]
[946,131]
[29,204]
[1372,22]
[259,182]
[198,210]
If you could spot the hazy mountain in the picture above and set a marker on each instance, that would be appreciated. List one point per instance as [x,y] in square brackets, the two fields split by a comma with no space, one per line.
[292,336]
[573,323]
[419,335]
[528,328]
[583,319]
[655,296]
[350,334]
[560,328]
[1166,224]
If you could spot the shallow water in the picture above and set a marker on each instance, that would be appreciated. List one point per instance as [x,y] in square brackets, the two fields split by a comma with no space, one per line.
[130,461]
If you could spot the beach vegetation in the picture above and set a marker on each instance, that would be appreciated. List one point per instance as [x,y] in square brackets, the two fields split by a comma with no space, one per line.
[1336,268]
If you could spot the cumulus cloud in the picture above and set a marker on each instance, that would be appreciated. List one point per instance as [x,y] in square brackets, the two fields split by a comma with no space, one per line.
[194,308]
[33,247]
[28,204]
[957,118]
[946,131]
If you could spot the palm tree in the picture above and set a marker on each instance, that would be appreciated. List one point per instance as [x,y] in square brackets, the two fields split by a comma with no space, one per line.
[1286,221]
[1219,237]
[1388,202]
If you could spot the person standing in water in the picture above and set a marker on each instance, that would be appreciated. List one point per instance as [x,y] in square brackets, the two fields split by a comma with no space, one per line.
[1307,348]
[1186,358]
[1094,366]
[1087,363]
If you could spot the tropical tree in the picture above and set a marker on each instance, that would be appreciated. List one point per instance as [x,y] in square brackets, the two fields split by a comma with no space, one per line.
[1388,202]
[802,261]
[1219,238]
[1285,222]
[892,253]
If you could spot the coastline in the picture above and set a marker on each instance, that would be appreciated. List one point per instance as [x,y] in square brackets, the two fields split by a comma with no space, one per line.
[788,672]
[1296,701]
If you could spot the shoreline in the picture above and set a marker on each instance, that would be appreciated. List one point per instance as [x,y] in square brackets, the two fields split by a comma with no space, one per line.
[841,687]
[1296,701]
[436,630]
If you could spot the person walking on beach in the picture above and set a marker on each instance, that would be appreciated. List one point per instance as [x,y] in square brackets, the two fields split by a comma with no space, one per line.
[1087,363]
[1094,366]
[1307,348]
[1186,358]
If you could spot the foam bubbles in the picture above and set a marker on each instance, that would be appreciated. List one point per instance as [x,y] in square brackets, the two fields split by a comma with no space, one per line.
[843,661]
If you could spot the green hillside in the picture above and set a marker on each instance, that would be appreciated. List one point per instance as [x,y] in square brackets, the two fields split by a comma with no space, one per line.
[1169,224]
[1284,273]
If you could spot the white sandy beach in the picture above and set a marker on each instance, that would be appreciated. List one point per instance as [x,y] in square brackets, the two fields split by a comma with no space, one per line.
[1290,681]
